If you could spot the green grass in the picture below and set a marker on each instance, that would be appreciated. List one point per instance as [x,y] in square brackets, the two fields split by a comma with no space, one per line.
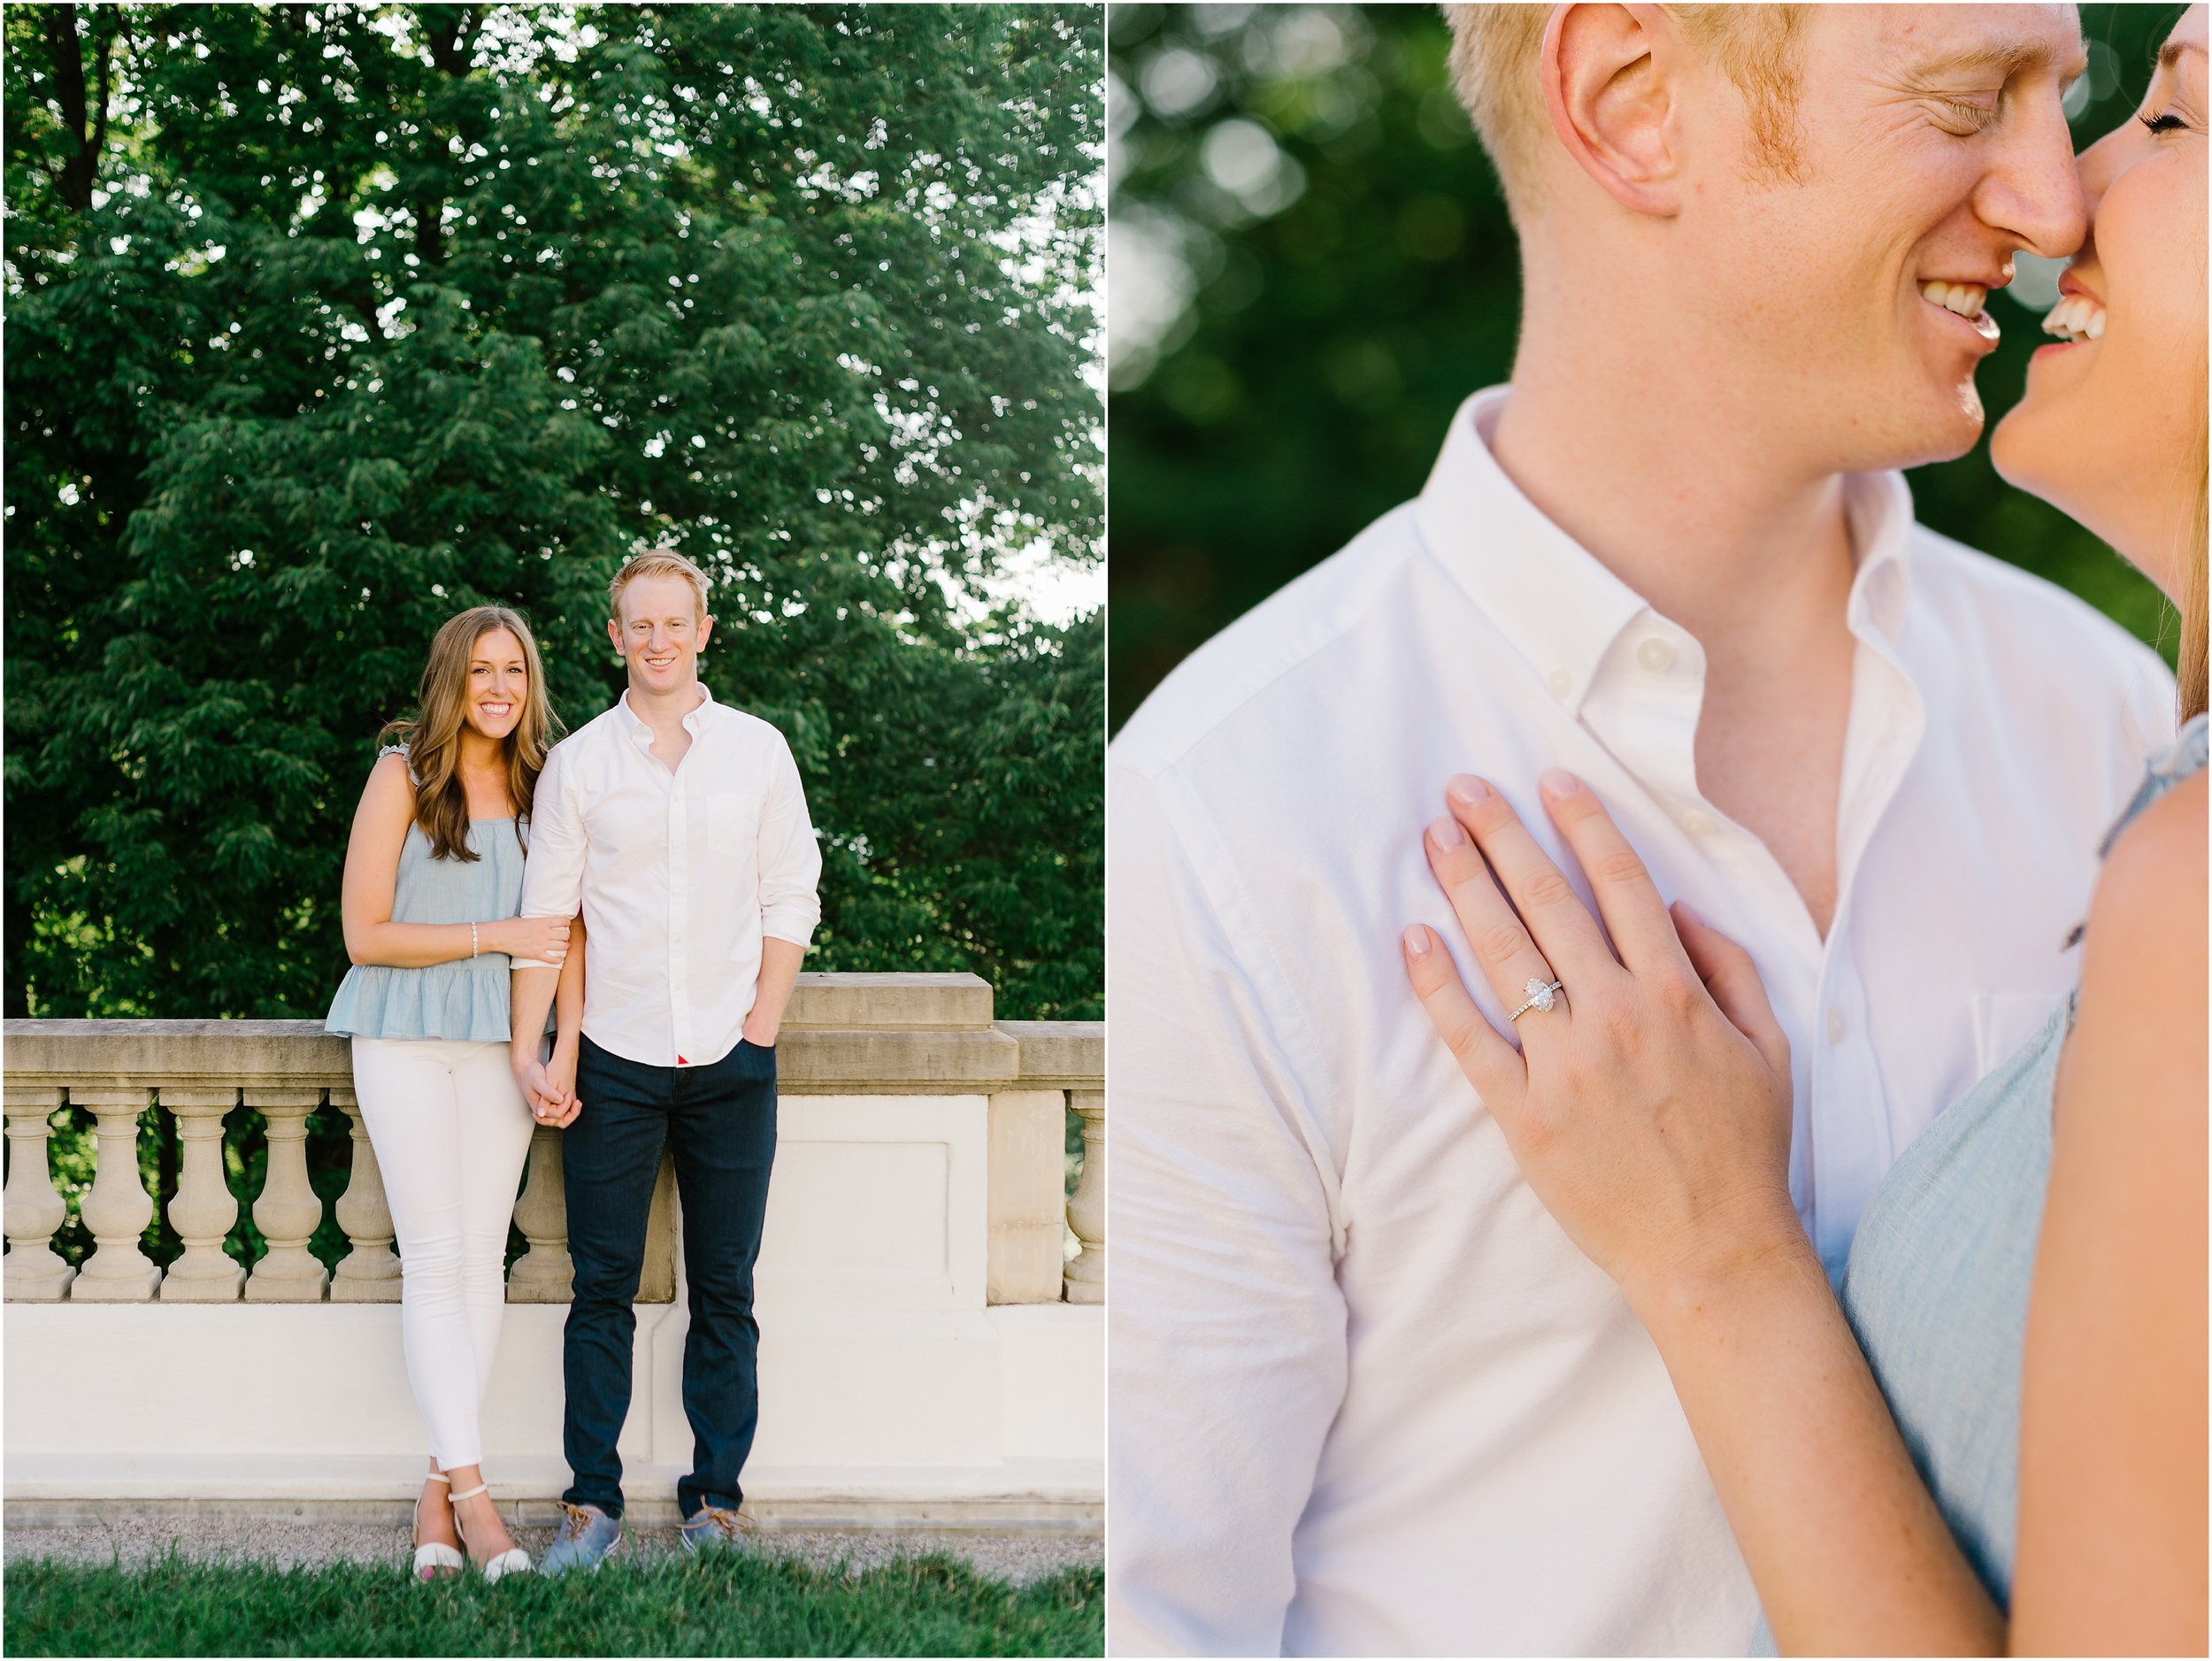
[737,1605]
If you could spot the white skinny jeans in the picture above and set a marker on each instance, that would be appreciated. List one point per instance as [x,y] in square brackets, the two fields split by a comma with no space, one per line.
[451,1130]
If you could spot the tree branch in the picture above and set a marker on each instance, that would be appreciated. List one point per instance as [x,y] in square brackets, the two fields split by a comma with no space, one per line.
[453,42]
[100,118]
[68,63]
[451,38]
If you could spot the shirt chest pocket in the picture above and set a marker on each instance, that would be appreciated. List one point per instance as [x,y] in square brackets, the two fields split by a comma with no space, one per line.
[729,822]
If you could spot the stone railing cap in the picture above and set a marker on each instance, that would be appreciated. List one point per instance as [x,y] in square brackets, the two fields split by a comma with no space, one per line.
[890,1002]
[843,1033]
[1066,1054]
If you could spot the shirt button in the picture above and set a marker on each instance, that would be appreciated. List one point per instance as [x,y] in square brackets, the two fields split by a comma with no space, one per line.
[1835,1026]
[1655,655]
[1697,824]
[1560,682]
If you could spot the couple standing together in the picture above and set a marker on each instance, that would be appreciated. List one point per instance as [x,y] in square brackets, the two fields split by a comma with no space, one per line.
[642,894]
[1835,1250]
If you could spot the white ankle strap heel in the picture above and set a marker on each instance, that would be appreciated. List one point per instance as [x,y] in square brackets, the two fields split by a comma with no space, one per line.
[514,1560]
[432,1555]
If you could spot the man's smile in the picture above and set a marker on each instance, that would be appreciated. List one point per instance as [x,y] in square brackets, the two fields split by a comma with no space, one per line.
[1965,301]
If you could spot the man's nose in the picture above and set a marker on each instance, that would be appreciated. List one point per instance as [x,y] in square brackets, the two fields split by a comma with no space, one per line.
[2032,190]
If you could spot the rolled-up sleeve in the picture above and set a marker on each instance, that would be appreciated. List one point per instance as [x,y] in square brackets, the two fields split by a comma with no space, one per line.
[553,874]
[1227,1351]
[790,859]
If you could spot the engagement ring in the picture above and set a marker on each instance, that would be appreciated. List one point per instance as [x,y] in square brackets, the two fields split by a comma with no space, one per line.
[1541,998]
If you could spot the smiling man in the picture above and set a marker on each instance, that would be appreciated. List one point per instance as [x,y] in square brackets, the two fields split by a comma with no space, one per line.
[678,827]
[1366,1397]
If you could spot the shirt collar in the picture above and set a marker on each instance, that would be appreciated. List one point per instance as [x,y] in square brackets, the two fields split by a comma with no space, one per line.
[639,732]
[1878,506]
[1548,594]
[1553,599]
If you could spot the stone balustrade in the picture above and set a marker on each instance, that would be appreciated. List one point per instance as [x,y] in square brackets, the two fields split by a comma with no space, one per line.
[896,1035]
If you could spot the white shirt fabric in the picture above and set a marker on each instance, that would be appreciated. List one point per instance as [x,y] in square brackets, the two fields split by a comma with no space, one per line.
[1366,1397]
[679,875]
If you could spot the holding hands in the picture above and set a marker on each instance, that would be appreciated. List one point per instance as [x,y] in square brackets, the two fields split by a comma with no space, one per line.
[1648,1105]
[549,1086]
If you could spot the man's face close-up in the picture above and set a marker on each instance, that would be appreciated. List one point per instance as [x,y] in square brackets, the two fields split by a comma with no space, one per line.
[1930,145]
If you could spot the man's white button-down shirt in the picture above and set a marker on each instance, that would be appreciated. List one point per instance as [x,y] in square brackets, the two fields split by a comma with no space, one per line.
[1366,1399]
[679,874]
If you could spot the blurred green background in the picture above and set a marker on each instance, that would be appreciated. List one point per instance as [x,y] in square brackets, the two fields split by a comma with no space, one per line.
[1311,266]
[325,321]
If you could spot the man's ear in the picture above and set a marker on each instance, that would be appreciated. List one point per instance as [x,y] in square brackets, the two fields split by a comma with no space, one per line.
[614,633]
[706,627]
[1612,77]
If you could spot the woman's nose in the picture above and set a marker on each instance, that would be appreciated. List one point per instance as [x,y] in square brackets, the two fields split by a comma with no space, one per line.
[2095,168]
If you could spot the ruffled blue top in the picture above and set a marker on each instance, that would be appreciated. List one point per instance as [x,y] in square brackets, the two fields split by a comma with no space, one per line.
[466,999]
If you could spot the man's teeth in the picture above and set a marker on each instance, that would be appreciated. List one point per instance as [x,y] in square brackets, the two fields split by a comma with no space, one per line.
[1965,298]
[2075,318]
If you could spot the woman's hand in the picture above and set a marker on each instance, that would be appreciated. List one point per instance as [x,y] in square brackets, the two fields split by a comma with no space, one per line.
[1649,1109]
[537,939]
[561,1106]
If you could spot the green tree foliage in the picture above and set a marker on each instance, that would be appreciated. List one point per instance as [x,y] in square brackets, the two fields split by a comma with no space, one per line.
[1313,266]
[324,321]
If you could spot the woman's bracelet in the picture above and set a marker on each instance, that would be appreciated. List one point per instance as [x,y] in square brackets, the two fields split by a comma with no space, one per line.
[473,946]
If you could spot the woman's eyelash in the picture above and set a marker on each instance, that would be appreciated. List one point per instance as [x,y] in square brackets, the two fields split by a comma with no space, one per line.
[2168,122]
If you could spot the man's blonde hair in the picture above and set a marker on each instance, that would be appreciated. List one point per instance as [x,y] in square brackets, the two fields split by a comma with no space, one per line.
[1494,54]
[658,562]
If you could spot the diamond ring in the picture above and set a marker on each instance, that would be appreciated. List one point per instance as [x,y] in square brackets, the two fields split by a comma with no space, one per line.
[1541,998]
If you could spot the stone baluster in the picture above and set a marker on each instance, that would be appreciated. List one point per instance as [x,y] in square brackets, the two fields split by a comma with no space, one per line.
[287,1211]
[545,1273]
[36,1273]
[1087,1207]
[1028,1175]
[369,1274]
[118,1208]
[204,1208]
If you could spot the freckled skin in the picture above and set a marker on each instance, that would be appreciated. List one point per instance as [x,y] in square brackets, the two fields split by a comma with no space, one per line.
[2109,428]
[1813,295]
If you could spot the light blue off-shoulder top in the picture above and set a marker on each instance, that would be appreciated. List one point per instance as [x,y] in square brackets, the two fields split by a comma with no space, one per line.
[466,999]
[1936,1284]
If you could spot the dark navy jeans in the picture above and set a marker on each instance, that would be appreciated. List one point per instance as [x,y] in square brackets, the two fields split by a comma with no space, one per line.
[720,1122]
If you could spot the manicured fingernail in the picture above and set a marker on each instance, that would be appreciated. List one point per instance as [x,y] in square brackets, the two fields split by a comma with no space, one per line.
[1467,790]
[1447,832]
[1557,783]
[1416,941]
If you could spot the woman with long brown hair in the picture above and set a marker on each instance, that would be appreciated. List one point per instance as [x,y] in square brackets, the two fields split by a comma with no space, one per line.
[432,884]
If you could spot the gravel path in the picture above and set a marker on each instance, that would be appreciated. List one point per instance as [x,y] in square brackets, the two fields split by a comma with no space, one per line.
[1010,1556]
